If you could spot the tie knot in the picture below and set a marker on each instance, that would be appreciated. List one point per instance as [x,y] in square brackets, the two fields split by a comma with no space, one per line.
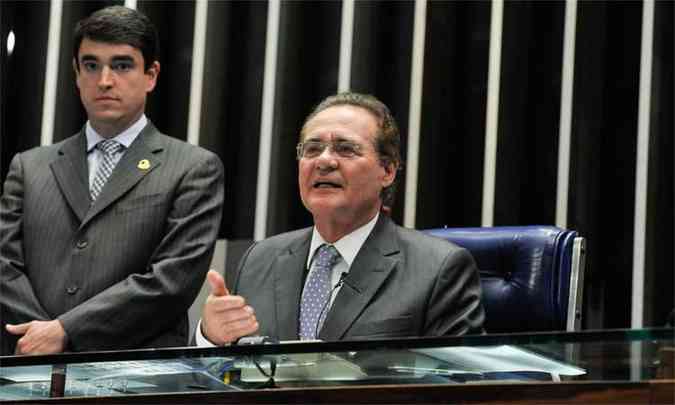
[327,256]
[110,147]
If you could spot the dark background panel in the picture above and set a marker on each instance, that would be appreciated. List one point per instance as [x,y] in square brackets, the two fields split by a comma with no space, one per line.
[604,131]
[660,253]
[307,72]
[168,105]
[381,63]
[69,113]
[602,177]
[231,105]
[452,133]
[21,77]
[529,112]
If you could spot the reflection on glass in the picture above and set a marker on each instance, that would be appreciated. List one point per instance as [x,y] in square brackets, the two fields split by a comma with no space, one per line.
[604,356]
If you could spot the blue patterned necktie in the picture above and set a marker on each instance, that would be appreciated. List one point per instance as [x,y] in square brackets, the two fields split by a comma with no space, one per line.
[109,150]
[316,294]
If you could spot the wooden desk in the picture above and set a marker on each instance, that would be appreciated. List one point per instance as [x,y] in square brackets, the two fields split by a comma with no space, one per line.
[596,367]
[647,392]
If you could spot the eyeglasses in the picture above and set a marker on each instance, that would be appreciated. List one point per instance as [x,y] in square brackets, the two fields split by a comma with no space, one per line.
[313,149]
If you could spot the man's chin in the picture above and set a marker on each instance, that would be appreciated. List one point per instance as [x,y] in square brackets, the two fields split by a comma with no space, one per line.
[109,118]
[105,116]
[323,206]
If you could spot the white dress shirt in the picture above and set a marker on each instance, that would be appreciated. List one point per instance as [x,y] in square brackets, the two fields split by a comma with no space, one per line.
[348,247]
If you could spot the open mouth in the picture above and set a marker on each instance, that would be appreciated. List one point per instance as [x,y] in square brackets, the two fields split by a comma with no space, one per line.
[326,184]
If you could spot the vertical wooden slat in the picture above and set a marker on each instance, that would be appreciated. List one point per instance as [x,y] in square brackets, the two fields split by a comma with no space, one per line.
[197,73]
[642,162]
[346,45]
[566,97]
[267,119]
[52,72]
[415,112]
[492,113]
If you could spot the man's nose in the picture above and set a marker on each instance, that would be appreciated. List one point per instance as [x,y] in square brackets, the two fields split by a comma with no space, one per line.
[327,159]
[106,79]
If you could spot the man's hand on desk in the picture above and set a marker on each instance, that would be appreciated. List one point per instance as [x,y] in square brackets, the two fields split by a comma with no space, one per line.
[226,317]
[39,337]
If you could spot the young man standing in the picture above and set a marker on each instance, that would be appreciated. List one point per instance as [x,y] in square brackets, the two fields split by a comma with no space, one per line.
[105,237]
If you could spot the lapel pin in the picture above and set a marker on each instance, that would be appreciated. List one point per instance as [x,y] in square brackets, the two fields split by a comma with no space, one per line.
[144,164]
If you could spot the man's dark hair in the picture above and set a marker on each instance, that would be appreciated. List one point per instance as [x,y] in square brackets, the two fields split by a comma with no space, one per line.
[119,25]
[387,139]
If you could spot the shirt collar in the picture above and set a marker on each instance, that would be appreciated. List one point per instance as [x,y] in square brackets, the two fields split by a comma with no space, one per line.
[348,246]
[126,137]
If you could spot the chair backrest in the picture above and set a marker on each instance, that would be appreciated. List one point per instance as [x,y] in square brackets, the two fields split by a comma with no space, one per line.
[531,276]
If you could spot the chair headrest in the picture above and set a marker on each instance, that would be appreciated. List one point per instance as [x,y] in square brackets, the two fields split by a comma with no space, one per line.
[525,273]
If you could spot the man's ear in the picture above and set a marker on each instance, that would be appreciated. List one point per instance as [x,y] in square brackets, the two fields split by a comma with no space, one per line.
[152,72]
[390,169]
[76,70]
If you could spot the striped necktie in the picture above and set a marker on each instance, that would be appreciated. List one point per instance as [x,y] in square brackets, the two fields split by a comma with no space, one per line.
[109,149]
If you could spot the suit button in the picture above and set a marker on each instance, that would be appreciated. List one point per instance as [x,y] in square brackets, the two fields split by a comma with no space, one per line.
[72,289]
[82,244]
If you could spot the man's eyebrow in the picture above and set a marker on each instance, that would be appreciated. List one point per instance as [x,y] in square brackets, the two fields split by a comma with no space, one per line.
[86,58]
[122,58]
[340,138]
[335,137]
[116,58]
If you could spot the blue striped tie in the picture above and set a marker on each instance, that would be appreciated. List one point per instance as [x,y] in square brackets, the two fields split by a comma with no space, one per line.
[109,150]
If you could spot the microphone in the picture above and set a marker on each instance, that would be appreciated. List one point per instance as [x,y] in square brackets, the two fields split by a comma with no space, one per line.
[346,282]
[341,281]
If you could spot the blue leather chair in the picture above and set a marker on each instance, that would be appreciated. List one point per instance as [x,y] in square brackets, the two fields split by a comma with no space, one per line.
[531,276]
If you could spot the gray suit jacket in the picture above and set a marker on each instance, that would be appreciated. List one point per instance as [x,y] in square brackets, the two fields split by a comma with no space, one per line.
[119,273]
[401,283]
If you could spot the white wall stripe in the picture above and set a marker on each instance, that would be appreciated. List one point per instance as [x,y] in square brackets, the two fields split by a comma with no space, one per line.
[566,109]
[636,365]
[415,113]
[642,164]
[492,113]
[132,4]
[267,120]
[346,37]
[197,73]
[51,73]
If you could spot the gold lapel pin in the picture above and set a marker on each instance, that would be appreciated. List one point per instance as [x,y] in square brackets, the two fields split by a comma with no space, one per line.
[144,164]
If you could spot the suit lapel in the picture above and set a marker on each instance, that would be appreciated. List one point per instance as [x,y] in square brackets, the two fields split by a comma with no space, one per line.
[289,268]
[70,170]
[126,174]
[371,267]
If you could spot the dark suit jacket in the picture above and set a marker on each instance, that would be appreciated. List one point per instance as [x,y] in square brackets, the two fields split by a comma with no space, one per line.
[122,272]
[401,283]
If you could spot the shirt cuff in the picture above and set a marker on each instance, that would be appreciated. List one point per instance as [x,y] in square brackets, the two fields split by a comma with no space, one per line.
[200,339]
